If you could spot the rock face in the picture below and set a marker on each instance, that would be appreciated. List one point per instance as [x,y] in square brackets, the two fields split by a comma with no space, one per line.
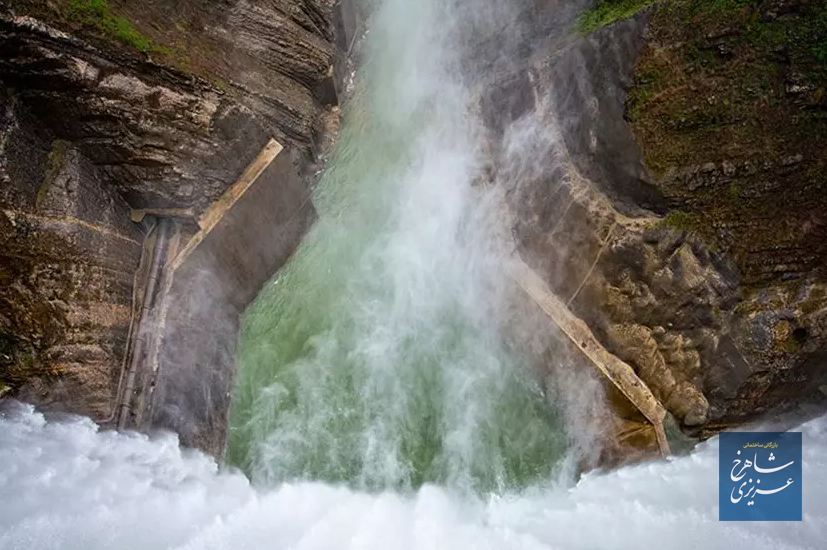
[618,217]
[160,118]
[729,110]
[68,252]
[186,371]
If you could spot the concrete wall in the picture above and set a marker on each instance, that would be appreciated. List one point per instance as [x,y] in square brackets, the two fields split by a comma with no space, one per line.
[245,238]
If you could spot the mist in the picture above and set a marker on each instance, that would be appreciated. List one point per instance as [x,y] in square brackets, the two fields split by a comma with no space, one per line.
[77,487]
[376,357]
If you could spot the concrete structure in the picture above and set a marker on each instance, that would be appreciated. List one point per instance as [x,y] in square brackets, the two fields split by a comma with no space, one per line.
[182,363]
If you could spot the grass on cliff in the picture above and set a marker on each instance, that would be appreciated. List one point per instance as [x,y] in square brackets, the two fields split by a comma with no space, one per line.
[153,28]
[734,86]
[804,36]
[606,12]
[97,14]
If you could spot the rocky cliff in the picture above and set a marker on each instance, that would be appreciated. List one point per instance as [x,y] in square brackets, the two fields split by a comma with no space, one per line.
[114,115]
[673,195]
[729,109]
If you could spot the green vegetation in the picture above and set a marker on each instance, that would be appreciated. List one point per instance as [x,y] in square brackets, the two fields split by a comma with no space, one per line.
[791,345]
[96,14]
[801,37]
[606,12]
[734,191]
[683,221]
[27,362]
[115,23]
[733,81]
[691,223]
[647,83]
[16,371]
[818,32]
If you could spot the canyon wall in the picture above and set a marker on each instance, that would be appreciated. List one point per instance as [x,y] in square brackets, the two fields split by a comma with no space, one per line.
[121,125]
[673,197]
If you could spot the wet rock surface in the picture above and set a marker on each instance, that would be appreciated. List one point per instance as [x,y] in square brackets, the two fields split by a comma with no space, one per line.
[68,252]
[718,304]
[96,125]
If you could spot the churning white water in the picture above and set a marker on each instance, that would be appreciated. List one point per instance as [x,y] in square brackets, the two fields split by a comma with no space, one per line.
[67,485]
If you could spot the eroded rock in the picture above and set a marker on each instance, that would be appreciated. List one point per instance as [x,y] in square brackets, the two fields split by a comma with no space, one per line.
[93,127]
[724,321]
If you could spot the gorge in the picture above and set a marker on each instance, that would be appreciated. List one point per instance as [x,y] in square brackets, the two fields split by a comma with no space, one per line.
[482,250]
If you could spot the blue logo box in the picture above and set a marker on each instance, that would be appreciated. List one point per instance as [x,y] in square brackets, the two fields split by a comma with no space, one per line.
[759,476]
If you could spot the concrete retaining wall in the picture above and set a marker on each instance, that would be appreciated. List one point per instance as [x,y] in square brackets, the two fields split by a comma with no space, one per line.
[245,237]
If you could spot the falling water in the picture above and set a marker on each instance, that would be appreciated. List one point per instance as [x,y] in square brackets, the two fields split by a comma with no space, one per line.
[375,357]
[377,405]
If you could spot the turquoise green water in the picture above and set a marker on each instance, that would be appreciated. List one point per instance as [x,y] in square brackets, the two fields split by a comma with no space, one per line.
[374,358]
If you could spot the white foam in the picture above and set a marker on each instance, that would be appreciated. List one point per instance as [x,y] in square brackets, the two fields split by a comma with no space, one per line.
[67,485]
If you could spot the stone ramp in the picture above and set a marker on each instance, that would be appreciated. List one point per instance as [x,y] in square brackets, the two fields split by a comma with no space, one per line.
[619,373]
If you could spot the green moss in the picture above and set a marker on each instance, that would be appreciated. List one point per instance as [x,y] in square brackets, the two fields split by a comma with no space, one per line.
[97,14]
[801,37]
[648,83]
[791,345]
[734,191]
[54,164]
[606,12]
[683,221]
[714,85]
[27,362]
[721,7]
[813,35]
[25,368]
[639,97]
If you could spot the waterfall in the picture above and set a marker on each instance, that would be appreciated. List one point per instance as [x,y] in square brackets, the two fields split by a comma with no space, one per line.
[377,403]
[375,357]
